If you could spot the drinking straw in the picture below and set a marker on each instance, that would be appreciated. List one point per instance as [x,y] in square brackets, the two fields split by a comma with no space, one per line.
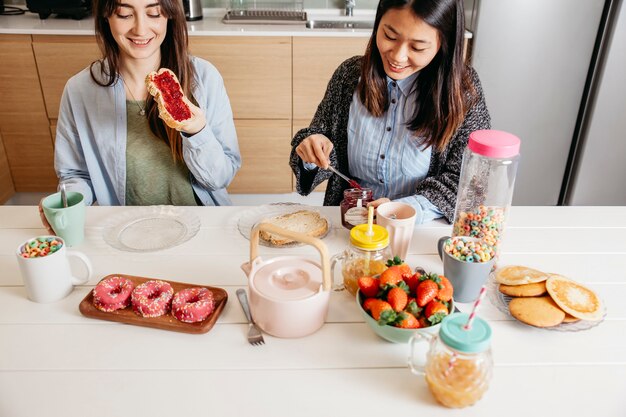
[470,320]
[467,326]
[370,220]
[370,232]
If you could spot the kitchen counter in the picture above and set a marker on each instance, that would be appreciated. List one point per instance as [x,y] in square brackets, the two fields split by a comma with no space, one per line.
[210,25]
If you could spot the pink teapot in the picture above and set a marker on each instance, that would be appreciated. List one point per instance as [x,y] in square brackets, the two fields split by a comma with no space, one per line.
[289,295]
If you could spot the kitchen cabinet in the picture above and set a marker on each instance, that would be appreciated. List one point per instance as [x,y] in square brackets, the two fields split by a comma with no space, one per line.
[314,62]
[257,76]
[265,149]
[256,72]
[24,123]
[58,58]
[6,180]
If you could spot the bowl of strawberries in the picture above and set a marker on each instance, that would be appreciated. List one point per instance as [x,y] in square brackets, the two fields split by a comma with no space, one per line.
[397,303]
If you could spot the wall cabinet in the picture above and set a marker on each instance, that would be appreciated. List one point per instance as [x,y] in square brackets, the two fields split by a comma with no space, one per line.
[274,85]
[24,123]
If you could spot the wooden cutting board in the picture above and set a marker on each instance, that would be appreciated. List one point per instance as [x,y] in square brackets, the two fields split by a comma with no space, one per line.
[164,322]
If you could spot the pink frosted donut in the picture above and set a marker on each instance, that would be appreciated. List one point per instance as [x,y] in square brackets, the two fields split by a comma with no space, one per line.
[112,294]
[152,298]
[192,304]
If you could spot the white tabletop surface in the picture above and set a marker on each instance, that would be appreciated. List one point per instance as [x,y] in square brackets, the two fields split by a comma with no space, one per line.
[55,362]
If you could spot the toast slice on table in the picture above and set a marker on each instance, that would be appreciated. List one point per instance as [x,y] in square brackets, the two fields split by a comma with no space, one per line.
[174,107]
[519,275]
[575,299]
[303,221]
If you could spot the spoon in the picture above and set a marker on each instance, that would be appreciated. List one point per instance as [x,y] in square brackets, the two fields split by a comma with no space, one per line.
[63,195]
[352,182]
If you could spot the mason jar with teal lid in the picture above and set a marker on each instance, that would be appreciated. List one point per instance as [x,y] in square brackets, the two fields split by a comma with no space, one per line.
[367,255]
[458,365]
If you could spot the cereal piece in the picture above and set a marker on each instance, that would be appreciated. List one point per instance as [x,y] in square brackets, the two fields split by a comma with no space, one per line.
[468,250]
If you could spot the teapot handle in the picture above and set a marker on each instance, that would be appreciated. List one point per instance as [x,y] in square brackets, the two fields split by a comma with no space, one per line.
[299,237]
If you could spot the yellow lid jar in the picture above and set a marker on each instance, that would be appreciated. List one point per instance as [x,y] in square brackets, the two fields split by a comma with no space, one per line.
[367,255]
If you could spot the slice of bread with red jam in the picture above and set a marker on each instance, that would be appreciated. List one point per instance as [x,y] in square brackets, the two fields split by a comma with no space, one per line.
[166,90]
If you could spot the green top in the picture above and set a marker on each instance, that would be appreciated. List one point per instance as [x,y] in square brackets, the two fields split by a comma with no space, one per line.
[153,177]
[475,340]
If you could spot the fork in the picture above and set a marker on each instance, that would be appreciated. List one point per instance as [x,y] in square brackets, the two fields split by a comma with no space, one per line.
[255,337]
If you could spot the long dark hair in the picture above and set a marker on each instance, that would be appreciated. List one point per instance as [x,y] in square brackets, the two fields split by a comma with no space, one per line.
[174,55]
[442,85]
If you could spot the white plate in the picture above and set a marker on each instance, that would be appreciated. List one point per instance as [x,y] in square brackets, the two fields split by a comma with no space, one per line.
[151,228]
[253,216]
[501,302]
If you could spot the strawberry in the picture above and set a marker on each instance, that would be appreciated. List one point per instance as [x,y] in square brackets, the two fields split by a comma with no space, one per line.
[446,291]
[391,276]
[407,321]
[423,322]
[435,312]
[427,289]
[367,304]
[397,299]
[405,269]
[426,292]
[368,286]
[382,312]
[412,281]
[411,307]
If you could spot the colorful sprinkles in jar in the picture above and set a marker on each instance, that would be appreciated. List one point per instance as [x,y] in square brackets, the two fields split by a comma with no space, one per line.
[40,247]
[469,250]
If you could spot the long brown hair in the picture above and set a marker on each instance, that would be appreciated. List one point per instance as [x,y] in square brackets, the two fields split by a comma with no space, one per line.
[174,55]
[442,85]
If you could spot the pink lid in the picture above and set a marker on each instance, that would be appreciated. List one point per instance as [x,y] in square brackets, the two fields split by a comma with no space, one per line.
[494,143]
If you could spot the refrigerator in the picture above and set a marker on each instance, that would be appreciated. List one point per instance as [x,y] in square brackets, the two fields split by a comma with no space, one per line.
[554,74]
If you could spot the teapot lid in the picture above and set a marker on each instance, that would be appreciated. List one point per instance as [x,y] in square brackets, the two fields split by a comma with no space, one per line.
[287,278]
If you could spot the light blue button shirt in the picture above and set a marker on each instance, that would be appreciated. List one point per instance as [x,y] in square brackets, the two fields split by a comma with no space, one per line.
[90,148]
[385,155]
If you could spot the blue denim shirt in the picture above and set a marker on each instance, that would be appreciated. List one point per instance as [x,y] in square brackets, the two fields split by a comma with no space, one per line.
[90,146]
[385,155]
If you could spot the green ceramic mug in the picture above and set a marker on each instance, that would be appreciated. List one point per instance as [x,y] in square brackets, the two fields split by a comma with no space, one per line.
[67,222]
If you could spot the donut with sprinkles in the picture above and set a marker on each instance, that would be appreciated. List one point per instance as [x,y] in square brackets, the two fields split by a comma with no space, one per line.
[152,298]
[192,305]
[112,294]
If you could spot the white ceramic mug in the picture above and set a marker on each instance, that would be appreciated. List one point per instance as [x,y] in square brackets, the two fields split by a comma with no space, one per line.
[49,278]
[399,220]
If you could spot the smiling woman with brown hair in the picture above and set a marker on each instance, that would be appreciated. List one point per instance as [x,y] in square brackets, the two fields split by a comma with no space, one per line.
[398,119]
[111,144]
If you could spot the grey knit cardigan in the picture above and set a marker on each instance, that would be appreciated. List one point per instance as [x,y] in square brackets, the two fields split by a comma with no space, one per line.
[331,120]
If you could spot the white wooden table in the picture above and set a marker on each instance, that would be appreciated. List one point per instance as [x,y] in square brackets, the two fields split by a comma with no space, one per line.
[55,362]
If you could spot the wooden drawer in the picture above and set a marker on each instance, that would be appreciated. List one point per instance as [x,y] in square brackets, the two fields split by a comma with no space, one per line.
[264,146]
[314,62]
[58,59]
[256,72]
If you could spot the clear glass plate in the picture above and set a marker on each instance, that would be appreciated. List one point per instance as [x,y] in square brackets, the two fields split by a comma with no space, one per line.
[151,228]
[251,217]
[501,302]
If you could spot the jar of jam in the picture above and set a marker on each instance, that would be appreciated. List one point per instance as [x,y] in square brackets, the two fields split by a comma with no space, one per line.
[458,363]
[367,255]
[354,206]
